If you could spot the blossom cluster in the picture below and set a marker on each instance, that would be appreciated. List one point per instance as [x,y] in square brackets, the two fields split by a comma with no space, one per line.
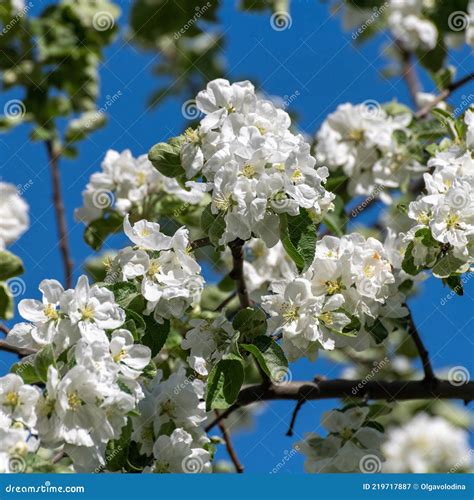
[352,444]
[127,183]
[359,140]
[91,383]
[411,23]
[348,296]
[254,167]
[169,425]
[446,209]
[162,267]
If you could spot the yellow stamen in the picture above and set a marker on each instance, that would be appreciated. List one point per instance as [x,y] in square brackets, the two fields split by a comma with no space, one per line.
[12,398]
[74,401]
[50,312]
[87,312]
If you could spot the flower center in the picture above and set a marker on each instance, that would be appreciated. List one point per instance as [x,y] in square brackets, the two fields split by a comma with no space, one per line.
[452,221]
[87,313]
[74,401]
[223,202]
[291,313]
[120,355]
[191,135]
[154,268]
[333,286]
[248,171]
[356,135]
[167,407]
[12,398]
[296,176]
[50,312]
[145,232]
[423,218]
[326,317]
[141,178]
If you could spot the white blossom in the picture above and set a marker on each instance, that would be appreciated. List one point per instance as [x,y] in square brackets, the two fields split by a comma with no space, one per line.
[427,444]
[14,219]
[350,439]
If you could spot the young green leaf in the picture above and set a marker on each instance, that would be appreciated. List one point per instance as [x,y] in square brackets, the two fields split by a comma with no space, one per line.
[224,383]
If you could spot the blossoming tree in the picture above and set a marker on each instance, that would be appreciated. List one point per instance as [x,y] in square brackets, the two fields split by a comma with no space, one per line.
[134,367]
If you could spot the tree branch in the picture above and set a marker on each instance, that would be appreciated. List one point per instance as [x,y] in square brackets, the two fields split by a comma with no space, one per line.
[4,329]
[230,447]
[444,95]
[19,351]
[201,242]
[297,409]
[399,390]
[424,355]
[53,155]
[237,273]
[409,72]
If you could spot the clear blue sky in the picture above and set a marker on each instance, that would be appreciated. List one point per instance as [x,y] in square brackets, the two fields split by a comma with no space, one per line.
[314,60]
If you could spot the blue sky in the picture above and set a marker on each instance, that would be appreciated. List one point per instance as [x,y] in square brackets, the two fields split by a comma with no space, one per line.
[316,66]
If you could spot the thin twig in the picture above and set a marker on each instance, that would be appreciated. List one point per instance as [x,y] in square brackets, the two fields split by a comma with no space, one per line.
[409,73]
[19,351]
[54,156]
[4,329]
[297,409]
[226,301]
[201,242]
[230,447]
[237,273]
[424,355]
[444,95]
[399,390]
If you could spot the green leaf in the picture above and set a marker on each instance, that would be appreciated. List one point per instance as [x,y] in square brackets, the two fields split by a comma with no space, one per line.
[455,283]
[378,332]
[224,383]
[408,263]
[43,359]
[298,235]
[6,302]
[165,157]
[97,231]
[26,370]
[213,225]
[250,322]
[124,292]
[10,265]
[155,334]
[269,356]
[135,323]
[447,265]
[116,452]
